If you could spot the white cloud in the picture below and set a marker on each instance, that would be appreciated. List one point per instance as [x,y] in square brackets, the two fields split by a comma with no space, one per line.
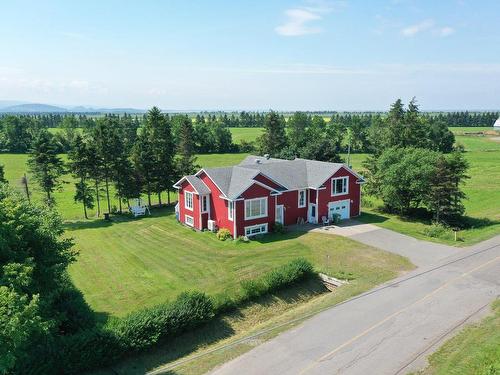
[299,19]
[418,28]
[446,31]
[297,23]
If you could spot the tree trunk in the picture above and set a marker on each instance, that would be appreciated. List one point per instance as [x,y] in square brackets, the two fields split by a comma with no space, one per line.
[168,196]
[159,198]
[149,195]
[25,180]
[107,195]
[120,203]
[97,198]
[84,197]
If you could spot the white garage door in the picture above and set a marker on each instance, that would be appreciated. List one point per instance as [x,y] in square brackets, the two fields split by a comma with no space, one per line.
[340,207]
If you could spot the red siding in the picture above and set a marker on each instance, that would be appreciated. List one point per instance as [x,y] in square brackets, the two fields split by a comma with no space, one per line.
[290,202]
[325,195]
[218,206]
[267,181]
[255,191]
[195,213]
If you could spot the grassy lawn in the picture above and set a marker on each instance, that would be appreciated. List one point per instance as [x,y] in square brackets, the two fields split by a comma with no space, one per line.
[132,263]
[15,167]
[474,351]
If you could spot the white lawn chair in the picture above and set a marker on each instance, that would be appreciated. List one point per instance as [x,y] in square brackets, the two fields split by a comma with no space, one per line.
[325,220]
[139,209]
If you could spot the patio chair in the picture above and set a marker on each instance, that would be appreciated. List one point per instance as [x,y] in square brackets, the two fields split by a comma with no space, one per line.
[325,220]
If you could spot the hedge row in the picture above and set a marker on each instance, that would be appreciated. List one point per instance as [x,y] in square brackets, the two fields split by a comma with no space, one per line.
[143,329]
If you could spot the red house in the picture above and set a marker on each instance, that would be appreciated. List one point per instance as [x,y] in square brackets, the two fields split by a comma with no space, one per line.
[250,197]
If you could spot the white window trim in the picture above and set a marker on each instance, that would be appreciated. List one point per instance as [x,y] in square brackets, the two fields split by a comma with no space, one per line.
[346,178]
[186,200]
[203,197]
[230,210]
[305,199]
[186,220]
[256,226]
[258,216]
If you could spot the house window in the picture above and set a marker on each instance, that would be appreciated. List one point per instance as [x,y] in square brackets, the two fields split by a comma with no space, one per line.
[255,208]
[188,200]
[230,210]
[302,198]
[340,185]
[255,229]
[189,220]
[204,203]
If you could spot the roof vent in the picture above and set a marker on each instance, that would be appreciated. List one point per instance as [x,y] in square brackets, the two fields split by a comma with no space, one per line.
[266,156]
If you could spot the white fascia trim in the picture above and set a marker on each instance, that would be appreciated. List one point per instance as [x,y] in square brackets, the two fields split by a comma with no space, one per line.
[211,179]
[177,186]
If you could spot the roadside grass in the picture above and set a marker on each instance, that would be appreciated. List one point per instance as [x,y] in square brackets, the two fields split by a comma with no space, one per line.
[16,167]
[127,264]
[474,351]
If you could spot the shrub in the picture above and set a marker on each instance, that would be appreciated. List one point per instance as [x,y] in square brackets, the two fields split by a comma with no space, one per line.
[437,230]
[290,273]
[253,289]
[336,218]
[279,228]
[224,234]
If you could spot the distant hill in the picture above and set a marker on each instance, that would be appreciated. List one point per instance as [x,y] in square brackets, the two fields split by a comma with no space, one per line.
[33,108]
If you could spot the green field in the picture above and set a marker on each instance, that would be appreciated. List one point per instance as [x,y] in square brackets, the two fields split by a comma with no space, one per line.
[131,263]
[15,167]
[247,134]
[474,351]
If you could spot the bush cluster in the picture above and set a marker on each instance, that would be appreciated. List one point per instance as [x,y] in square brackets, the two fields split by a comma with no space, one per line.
[140,330]
[224,234]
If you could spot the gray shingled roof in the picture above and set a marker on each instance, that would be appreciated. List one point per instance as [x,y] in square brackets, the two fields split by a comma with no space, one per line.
[292,174]
[198,184]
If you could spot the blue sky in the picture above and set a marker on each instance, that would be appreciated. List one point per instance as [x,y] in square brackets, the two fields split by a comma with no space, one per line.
[285,55]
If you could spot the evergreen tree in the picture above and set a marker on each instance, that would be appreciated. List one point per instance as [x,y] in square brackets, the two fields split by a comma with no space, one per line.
[297,131]
[143,158]
[274,140]
[186,159]
[45,164]
[81,166]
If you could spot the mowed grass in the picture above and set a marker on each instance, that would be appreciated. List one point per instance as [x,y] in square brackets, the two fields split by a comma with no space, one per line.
[16,167]
[131,263]
[474,351]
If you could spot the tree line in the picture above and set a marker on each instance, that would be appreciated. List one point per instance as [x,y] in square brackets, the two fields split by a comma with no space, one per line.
[148,161]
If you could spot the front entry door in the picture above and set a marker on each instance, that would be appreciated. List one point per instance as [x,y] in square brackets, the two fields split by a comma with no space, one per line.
[311,216]
[279,214]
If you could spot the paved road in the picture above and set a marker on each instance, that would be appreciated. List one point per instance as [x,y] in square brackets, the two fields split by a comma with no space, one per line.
[389,329]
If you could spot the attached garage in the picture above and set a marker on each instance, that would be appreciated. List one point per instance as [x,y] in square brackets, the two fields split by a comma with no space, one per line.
[339,207]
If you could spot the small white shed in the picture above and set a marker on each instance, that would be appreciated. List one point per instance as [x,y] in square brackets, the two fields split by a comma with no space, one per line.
[497,123]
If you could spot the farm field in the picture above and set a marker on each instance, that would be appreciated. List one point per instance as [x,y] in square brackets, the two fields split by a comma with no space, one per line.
[247,134]
[132,263]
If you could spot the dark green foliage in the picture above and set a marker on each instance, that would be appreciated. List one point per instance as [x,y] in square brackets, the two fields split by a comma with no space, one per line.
[440,137]
[274,139]
[186,161]
[45,164]
[142,329]
[2,175]
[37,300]
[82,165]
[279,228]
[224,234]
